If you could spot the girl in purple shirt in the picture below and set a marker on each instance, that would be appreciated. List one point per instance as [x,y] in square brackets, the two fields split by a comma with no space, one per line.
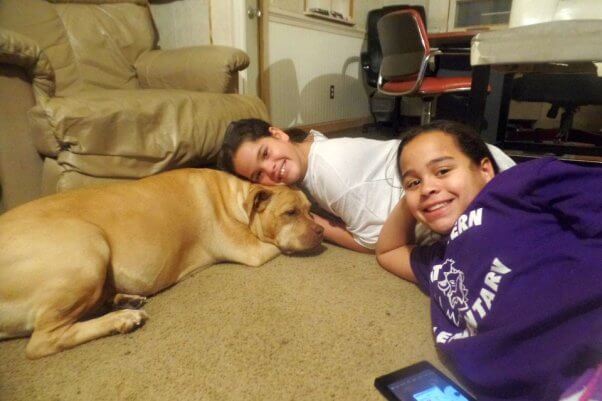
[516,281]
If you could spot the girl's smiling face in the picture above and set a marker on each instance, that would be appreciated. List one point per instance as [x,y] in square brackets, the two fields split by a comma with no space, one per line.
[271,160]
[439,180]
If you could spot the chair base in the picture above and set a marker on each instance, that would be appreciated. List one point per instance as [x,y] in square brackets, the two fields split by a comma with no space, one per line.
[429,105]
[384,110]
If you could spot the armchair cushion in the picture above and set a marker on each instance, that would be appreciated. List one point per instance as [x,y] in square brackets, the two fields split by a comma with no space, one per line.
[21,51]
[91,44]
[106,39]
[132,133]
[201,68]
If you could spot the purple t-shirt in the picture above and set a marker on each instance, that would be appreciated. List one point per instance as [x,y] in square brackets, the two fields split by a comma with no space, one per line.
[516,287]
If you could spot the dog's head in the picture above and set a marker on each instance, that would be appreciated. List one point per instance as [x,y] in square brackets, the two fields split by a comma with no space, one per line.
[280,215]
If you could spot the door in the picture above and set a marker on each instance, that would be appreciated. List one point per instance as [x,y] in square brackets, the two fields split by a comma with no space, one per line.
[253,19]
[249,23]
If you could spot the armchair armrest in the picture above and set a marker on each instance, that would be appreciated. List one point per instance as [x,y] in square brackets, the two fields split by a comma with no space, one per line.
[200,68]
[19,50]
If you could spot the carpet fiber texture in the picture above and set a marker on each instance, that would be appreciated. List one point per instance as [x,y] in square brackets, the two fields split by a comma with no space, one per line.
[318,327]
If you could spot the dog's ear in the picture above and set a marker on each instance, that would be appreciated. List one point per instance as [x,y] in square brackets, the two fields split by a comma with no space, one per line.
[261,200]
[257,201]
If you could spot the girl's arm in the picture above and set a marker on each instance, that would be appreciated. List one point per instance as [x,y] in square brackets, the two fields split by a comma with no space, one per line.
[337,233]
[395,242]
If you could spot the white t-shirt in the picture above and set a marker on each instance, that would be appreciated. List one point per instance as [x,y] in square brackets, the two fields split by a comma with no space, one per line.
[356,179]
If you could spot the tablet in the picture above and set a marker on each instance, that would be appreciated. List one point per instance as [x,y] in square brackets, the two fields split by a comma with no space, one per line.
[420,382]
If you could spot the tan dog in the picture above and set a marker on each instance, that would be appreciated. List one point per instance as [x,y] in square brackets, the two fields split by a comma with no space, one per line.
[63,256]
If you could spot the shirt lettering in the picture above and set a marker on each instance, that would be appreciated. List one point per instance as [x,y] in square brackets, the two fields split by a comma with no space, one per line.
[466,222]
[480,307]
[435,272]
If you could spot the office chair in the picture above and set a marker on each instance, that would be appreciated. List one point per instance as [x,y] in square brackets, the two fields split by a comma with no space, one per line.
[406,56]
[371,59]
[566,91]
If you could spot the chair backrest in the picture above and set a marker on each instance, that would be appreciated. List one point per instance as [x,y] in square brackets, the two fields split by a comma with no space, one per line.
[373,49]
[90,45]
[404,44]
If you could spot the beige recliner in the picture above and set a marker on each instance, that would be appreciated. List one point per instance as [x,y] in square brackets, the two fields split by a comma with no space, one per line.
[86,98]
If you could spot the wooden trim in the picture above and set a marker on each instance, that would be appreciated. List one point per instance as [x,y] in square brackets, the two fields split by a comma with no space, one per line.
[350,8]
[331,19]
[295,19]
[338,125]
[210,23]
[263,43]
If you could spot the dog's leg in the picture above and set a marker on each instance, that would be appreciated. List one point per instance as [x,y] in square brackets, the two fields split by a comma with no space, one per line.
[67,289]
[254,253]
[48,342]
[57,327]
[264,253]
[126,301]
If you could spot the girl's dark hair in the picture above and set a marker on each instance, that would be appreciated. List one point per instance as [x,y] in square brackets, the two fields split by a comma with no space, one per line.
[467,139]
[250,129]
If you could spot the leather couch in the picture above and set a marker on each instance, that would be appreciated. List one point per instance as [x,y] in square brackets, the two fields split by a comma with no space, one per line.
[87,98]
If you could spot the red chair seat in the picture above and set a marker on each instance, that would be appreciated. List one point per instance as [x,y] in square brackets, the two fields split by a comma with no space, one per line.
[431,85]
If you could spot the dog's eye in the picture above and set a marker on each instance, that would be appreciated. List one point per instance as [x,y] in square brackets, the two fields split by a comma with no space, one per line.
[292,212]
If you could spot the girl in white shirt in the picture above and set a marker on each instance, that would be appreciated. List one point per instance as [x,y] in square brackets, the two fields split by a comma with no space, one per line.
[354,179]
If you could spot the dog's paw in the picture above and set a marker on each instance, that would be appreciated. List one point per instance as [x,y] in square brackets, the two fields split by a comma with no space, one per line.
[129,319]
[125,301]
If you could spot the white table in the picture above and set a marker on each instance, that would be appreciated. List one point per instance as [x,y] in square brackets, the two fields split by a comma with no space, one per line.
[568,46]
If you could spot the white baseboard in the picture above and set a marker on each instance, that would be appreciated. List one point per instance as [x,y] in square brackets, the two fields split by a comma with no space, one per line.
[338,125]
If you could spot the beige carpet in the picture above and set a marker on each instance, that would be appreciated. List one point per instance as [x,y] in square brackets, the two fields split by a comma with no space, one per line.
[298,328]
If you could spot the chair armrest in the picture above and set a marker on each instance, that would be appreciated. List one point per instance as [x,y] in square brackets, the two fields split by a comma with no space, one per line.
[200,68]
[21,51]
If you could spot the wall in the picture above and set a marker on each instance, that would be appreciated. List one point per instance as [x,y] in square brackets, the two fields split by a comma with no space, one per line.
[301,76]
[306,57]
[182,23]
[437,13]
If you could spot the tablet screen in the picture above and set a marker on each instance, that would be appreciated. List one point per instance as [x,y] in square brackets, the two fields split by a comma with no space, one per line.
[420,382]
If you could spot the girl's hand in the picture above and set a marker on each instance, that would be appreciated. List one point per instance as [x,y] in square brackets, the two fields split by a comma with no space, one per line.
[337,233]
